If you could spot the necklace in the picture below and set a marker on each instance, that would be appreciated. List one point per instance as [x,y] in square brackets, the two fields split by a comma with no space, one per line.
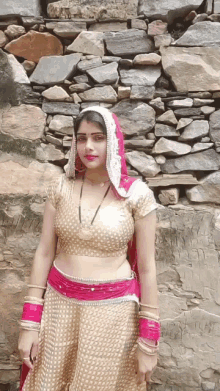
[101,184]
[85,233]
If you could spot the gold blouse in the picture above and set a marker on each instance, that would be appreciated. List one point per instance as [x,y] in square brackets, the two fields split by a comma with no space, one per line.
[112,228]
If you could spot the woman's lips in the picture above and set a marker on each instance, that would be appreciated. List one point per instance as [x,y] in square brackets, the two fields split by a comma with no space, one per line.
[91,157]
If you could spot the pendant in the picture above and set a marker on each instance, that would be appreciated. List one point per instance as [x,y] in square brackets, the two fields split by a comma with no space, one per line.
[85,234]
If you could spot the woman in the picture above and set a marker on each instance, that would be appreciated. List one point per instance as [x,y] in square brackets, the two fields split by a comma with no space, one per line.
[87,338]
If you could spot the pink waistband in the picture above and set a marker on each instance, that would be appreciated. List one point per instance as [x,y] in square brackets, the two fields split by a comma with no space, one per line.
[81,291]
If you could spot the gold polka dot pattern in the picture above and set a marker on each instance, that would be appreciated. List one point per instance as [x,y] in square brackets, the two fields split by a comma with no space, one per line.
[85,347]
[112,228]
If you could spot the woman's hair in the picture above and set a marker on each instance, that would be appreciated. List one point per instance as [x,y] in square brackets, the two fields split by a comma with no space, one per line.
[90,116]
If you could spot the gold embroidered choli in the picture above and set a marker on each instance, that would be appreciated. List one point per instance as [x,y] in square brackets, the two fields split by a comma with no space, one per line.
[112,228]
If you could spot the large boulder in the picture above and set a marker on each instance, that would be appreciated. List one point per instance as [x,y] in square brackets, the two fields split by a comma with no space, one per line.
[208,189]
[24,121]
[202,161]
[128,42]
[21,7]
[135,118]
[144,163]
[34,45]
[184,65]
[61,68]
[167,10]
[201,34]
[106,9]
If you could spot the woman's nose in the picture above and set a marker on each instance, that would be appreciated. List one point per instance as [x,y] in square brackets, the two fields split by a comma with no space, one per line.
[89,144]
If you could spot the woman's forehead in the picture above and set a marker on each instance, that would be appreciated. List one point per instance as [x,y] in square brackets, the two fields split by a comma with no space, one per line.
[87,127]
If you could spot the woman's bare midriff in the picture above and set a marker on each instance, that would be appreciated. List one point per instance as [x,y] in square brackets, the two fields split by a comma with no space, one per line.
[111,268]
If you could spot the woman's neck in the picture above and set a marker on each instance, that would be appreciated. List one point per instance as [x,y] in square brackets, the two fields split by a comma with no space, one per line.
[97,175]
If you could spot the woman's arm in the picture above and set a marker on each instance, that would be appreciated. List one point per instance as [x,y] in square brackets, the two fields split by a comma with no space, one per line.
[145,229]
[45,252]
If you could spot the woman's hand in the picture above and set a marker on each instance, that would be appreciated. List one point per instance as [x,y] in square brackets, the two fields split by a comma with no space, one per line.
[145,366]
[28,346]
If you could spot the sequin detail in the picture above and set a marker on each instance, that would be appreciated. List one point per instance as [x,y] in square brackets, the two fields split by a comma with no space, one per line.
[113,227]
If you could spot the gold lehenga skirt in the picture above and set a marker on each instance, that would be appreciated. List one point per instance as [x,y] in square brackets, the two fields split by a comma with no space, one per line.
[85,346]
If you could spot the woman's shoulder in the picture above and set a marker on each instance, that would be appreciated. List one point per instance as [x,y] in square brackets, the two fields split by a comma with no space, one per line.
[54,189]
[142,200]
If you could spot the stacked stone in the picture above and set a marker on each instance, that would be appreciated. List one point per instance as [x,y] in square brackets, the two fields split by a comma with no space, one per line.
[157,68]
[131,67]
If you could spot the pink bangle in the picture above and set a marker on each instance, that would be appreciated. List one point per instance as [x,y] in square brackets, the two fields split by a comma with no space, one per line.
[149,329]
[32,312]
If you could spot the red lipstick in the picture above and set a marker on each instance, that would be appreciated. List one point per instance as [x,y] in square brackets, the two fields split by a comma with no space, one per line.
[91,157]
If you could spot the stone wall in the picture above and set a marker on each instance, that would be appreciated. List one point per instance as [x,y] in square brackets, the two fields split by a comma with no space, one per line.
[156,65]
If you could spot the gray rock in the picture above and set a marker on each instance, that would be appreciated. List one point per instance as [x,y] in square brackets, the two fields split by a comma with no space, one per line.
[162,40]
[141,145]
[215,126]
[170,148]
[169,196]
[81,79]
[160,159]
[202,161]
[54,140]
[128,42]
[145,164]
[126,62]
[208,386]
[23,122]
[20,7]
[184,64]
[208,189]
[135,118]
[3,39]
[88,42]
[190,112]
[158,105]
[69,29]
[201,147]
[168,10]
[64,108]
[201,34]
[147,59]
[14,31]
[142,92]
[200,95]
[183,122]
[207,110]
[197,102]
[200,18]
[106,74]
[63,68]
[108,26]
[124,92]
[62,124]
[138,24]
[48,152]
[174,104]
[89,64]
[55,93]
[100,94]
[162,130]
[205,140]
[168,118]
[79,87]
[196,129]
[146,76]
[108,59]
[18,72]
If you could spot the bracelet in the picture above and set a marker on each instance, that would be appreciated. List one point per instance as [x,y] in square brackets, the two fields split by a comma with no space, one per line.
[149,315]
[36,286]
[149,329]
[147,348]
[148,353]
[143,341]
[33,300]
[32,312]
[148,306]
[28,325]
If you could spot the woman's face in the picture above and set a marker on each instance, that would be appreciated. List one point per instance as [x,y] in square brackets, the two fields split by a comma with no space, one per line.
[91,140]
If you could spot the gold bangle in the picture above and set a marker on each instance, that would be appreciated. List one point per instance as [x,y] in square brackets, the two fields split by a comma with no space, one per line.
[148,306]
[147,348]
[32,299]
[37,286]
[143,341]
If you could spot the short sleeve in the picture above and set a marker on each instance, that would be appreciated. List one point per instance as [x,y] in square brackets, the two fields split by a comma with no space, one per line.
[143,201]
[53,190]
